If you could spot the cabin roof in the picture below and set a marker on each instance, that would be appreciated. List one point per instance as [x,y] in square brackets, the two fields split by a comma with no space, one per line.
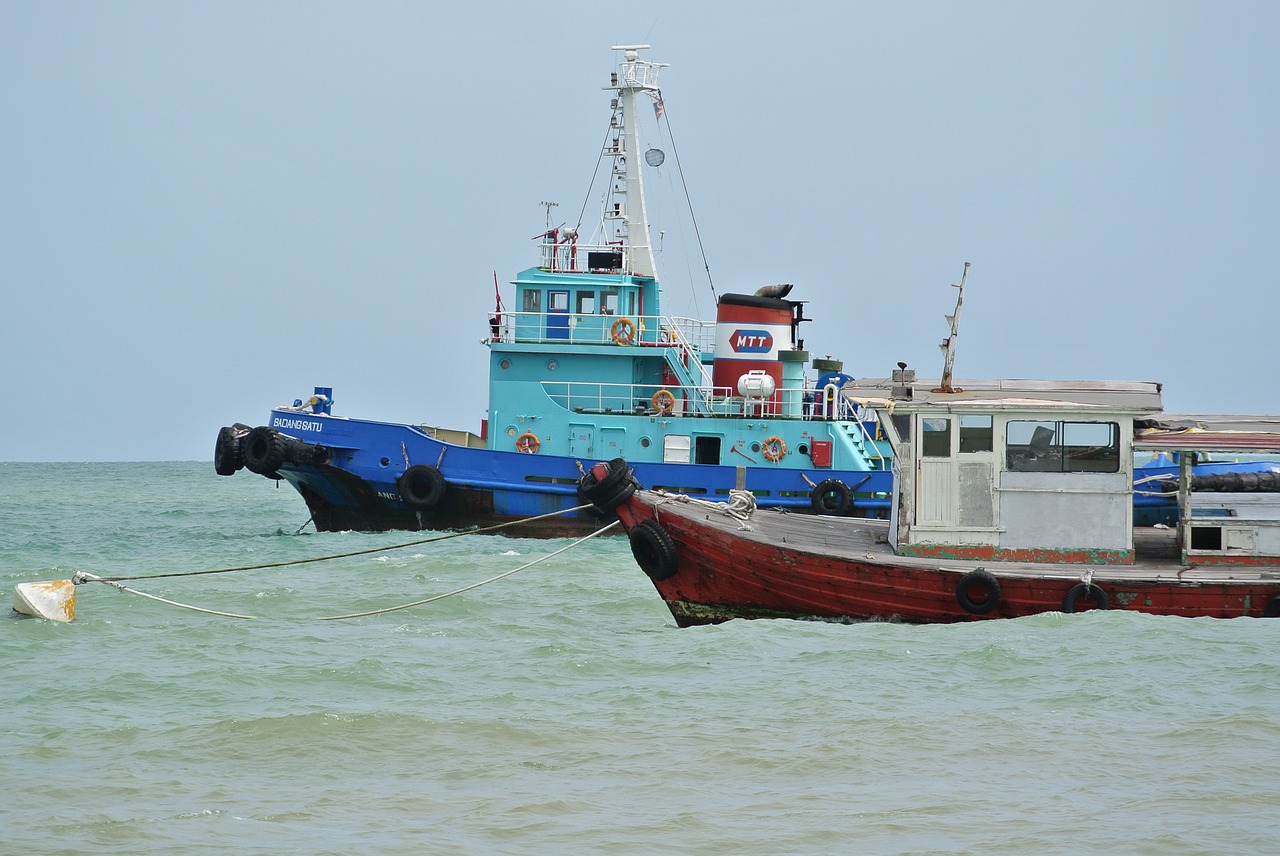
[1009,394]
[1169,432]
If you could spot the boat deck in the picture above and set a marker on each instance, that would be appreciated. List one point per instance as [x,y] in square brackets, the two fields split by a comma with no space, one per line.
[1157,555]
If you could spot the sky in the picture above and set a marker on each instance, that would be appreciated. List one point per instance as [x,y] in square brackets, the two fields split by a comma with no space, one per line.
[208,209]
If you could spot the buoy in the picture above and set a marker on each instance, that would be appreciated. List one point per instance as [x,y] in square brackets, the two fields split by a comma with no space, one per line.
[51,599]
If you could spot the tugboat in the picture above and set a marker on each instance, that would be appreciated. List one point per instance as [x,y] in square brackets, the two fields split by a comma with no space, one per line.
[586,372]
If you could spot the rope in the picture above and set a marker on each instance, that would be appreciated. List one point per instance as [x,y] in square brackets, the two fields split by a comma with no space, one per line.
[741,504]
[87,577]
[473,585]
[92,578]
[95,579]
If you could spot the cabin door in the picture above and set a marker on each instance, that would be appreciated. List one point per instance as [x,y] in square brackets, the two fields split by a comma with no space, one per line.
[936,472]
[557,314]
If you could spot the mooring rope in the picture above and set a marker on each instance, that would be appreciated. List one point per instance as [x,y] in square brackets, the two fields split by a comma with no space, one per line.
[500,576]
[93,578]
[741,504]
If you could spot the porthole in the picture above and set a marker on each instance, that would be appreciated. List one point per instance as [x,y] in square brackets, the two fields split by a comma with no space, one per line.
[386,462]
[645,442]
[552,365]
[755,447]
[803,449]
[504,364]
[511,431]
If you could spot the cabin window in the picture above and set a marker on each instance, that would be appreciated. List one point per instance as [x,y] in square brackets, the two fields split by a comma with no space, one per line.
[609,302]
[935,437]
[1063,447]
[586,303]
[532,300]
[558,301]
[902,425]
[975,433]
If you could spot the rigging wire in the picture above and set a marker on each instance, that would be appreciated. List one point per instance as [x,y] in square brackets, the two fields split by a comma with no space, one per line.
[675,151]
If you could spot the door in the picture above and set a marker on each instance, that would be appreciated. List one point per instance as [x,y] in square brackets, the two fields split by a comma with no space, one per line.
[557,314]
[936,477]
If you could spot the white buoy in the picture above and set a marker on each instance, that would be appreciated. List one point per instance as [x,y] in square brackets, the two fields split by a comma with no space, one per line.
[51,599]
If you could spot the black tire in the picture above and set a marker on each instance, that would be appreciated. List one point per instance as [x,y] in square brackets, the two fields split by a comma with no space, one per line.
[978,592]
[608,490]
[302,452]
[831,497]
[1272,609]
[1088,592]
[227,458]
[422,486]
[654,550]
[263,450]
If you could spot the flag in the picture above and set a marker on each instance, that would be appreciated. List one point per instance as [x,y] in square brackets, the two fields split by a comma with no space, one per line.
[658,108]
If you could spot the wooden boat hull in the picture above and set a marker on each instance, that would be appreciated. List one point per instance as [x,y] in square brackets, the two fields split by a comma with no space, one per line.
[722,571]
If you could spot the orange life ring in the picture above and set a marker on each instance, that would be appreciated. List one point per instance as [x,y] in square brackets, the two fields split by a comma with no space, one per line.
[623,331]
[528,442]
[664,401]
[774,448]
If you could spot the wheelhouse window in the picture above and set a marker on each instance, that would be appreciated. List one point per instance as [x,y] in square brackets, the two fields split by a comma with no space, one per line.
[975,433]
[609,302]
[1063,447]
[586,303]
[935,437]
[558,301]
[532,300]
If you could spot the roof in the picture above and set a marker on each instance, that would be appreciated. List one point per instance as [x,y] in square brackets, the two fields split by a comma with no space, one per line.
[1007,394]
[1168,432]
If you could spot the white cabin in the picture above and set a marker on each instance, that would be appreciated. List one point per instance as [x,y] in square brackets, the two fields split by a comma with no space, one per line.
[1014,470]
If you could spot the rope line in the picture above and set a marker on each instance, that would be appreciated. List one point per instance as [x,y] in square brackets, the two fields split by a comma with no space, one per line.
[93,578]
[500,576]
[114,584]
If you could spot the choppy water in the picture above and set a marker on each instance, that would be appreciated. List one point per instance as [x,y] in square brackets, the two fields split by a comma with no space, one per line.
[561,711]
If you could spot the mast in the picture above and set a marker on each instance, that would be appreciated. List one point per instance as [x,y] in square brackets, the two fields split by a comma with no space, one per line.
[627,207]
[948,344]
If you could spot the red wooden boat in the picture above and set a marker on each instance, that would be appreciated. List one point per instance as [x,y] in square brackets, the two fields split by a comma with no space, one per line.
[1011,498]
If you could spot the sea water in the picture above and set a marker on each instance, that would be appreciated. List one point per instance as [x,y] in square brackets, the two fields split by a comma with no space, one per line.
[559,709]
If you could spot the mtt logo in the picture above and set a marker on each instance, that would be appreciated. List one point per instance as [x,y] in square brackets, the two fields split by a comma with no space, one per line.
[751,341]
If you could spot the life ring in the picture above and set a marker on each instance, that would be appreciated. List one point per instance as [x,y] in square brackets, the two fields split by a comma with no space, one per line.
[654,550]
[623,331]
[664,401]
[830,496]
[422,486]
[528,442]
[1088,591]
[978,592]
[1272,609]
[773,448]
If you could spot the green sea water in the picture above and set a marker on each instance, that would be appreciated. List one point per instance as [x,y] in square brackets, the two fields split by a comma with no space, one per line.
[559,710]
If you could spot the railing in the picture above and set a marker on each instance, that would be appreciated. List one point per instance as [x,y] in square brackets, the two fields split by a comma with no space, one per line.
[692,335]
[643,399]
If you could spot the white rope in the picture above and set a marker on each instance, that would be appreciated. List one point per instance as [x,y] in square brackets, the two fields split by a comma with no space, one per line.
[114,584]
[470,587]
[741,504]
[87,577]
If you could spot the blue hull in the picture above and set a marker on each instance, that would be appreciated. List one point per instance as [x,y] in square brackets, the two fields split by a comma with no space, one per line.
[358,487]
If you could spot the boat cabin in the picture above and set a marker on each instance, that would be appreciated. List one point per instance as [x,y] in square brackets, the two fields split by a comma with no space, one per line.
[1011,470]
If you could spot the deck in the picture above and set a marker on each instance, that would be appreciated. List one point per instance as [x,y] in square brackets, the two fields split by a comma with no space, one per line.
[1157,556]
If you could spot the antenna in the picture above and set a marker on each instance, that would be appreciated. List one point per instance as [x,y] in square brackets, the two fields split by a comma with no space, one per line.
[549,206]
[948,344]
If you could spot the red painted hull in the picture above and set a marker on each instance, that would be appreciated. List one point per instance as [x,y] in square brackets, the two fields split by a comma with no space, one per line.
[721,575]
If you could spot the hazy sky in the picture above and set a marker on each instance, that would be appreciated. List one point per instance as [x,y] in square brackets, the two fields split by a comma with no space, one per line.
[209,208]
